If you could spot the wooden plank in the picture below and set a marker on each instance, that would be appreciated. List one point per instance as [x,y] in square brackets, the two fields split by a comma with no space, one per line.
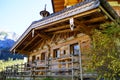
[59,7]
[66,30]
[58,0]
[57,28]
[98,19]
[69,42]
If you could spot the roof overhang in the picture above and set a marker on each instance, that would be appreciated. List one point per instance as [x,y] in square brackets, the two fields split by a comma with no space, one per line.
[88,14]
[58,5]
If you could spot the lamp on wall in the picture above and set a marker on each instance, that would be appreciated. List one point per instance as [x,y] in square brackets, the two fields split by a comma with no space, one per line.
[71,20]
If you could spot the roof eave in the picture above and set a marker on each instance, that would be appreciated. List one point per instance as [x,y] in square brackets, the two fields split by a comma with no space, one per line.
[109,9]
[58,16]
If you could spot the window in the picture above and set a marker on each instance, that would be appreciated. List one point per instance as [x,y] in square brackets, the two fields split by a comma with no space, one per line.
[75,49]
[64,52]
[33,58]
[37,58]
[43,56]
[56,53]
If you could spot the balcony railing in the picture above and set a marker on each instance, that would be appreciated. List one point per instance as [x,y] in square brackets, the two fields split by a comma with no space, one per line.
[63,66]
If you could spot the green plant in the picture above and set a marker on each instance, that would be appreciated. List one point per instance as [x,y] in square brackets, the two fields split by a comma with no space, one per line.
[11,79]
[60,79]
[48,79]
[105,53]
[10,62]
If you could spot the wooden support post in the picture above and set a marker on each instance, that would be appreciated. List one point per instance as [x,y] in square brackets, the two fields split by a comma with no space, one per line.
[21,70]
[34,72]
[80,61]
[72,68]
[45,66]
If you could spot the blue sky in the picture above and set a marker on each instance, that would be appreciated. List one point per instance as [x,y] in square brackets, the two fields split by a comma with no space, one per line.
[17,15]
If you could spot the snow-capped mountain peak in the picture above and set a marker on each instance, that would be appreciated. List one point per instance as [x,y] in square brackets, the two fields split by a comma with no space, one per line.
[8,35]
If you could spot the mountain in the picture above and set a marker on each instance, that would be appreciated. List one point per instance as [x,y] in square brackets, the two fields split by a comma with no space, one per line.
[7,40]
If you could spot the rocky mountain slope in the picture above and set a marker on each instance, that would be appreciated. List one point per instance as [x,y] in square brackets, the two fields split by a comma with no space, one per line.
[7,40]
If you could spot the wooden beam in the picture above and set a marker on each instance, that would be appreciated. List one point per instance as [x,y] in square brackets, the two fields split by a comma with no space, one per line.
[57,28]
[98,19]
[42,43]
[35,45]
[52,38]
[30,42]
[23,52]
[80,26]
[44,35]
[22,40]
[66,19]
[67,30]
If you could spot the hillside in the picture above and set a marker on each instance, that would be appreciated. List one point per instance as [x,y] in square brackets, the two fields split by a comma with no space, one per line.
[7,40]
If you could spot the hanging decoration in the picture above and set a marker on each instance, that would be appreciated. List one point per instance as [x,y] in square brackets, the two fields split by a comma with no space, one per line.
[71,20]
[33,32]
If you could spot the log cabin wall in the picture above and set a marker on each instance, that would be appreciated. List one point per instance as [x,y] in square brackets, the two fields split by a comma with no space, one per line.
[54,48]
[58,54]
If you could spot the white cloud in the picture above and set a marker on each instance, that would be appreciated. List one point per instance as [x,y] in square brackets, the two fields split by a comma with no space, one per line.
[4,29]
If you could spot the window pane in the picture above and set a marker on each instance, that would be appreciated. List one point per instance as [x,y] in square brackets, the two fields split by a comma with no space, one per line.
[76,49]
[56,53]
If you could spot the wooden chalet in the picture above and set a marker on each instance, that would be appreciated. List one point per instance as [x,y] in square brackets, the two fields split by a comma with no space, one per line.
[57,45]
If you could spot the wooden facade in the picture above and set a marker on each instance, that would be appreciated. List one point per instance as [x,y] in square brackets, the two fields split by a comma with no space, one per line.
[56,49]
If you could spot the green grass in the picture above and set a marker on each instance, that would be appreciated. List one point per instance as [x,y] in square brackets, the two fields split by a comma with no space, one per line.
[10,62]
[13,79]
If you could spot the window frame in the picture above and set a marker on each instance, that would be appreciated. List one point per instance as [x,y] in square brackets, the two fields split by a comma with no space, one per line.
[56,53]
[72,49]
